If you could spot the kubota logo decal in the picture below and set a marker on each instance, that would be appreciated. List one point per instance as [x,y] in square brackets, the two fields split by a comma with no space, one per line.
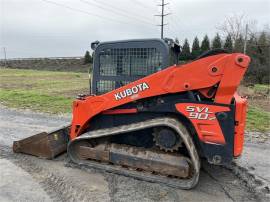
[131,91]
[201,113]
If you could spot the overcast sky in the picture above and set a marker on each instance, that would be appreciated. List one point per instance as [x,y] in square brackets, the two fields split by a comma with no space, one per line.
[40,28]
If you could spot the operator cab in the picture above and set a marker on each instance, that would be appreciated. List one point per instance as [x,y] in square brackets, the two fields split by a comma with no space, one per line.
[118,63]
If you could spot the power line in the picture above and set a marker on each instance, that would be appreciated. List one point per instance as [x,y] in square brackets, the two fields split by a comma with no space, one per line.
[162,15]
[175,26]
[120,9]
[84,12]
[115,12]
[175,19]
[179,23]
[141,4]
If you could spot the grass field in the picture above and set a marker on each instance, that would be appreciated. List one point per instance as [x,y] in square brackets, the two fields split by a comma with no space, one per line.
[258,119]
[53,92]
[259,106]
[45,91]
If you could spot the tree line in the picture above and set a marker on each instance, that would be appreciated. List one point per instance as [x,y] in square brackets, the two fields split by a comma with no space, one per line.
[198,48]
[257,47]
[217,43]
[88,59]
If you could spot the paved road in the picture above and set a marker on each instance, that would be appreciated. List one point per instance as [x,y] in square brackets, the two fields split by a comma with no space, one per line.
[59,180]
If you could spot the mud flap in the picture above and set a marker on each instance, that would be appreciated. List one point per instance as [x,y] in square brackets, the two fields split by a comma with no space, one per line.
[44,145]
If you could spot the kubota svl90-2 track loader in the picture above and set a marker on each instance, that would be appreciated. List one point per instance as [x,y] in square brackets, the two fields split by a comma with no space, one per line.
[150,118]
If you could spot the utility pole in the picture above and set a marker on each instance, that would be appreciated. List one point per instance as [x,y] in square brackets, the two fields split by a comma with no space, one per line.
[245,42]
[162,17]
[5,56]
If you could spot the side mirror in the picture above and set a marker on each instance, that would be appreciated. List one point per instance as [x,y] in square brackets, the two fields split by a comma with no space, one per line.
[94,45]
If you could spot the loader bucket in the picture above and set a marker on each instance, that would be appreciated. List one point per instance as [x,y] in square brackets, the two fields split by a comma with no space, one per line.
[44,145]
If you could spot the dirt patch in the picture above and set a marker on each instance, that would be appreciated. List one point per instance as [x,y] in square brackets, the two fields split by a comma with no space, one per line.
[257,137]
[61,183]
[263,103]
[256,97]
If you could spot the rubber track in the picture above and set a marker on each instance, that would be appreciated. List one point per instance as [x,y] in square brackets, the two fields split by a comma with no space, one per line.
[168,122]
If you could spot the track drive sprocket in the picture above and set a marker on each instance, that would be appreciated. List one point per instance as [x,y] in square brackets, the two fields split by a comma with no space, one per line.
[166,139]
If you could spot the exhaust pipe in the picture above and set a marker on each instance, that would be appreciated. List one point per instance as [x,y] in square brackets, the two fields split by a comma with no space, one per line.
[44,145]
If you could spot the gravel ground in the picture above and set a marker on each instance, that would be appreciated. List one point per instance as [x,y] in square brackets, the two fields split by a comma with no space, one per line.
[60,180]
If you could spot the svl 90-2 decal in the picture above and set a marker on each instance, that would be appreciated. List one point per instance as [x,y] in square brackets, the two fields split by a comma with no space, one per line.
[200,113]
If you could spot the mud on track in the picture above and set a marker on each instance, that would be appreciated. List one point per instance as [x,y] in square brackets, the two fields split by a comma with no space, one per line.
[64,181]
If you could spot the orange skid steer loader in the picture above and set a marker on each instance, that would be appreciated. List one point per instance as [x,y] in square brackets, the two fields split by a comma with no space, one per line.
[149,117]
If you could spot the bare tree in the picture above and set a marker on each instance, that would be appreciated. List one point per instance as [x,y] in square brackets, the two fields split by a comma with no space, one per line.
[235,26]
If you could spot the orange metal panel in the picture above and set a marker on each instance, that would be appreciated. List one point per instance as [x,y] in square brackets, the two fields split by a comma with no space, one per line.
[240,119]
[225,69]
[204,120]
